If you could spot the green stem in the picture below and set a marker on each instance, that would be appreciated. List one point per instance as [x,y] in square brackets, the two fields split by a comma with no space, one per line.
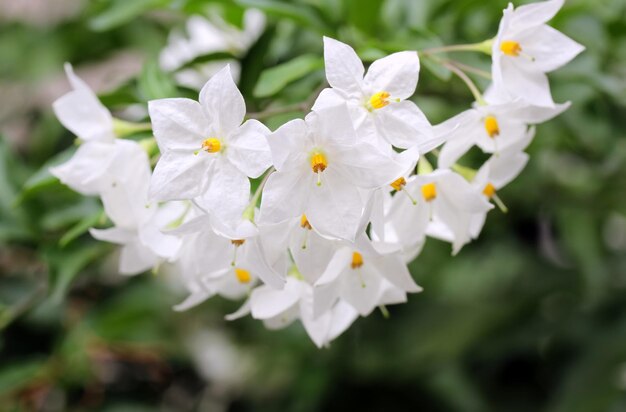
[470,84]
[483,47]
[248,213]
[122,128]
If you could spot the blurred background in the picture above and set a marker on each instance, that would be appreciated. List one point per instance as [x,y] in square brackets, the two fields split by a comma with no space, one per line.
[531,317]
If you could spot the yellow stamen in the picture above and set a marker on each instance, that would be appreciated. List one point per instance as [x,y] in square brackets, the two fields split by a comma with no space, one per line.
[212,145]
[429,191]
[357,260]
[238,242]
[491,126]
[398,184]
[243,276]
[304,222]
[379,100]
[318,162]
[489,190]
[510,48]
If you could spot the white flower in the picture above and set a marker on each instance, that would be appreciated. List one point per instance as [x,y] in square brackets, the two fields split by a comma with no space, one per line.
[320,167]
[205,151]
[208,36]
[492,127]
[364,281]
[214,264]
[279,308]
[441,200]
[80,111]
[138,224]
[377,100]
[526,48]
[493,175]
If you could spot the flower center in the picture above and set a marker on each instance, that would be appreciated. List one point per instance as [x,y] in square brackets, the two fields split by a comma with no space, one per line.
[489,190]
[212,145]
[429,191]
[510,48]
[238,242]
[398,184]
[304,222]
[318,162]
[379,100]
[243,276]
[491,126]
[357,260]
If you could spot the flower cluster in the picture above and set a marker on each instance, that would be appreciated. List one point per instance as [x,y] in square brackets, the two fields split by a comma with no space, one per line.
[316,220]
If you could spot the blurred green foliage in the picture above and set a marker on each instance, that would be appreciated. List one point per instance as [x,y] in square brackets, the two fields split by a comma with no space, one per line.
[531,317]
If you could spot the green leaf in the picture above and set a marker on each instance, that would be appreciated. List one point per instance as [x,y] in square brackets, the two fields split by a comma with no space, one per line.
[121,12]
[42,179]
[302,14]
[275,79]
[18,374]
[81,227]
[435,68]
[154,83]
[66,264]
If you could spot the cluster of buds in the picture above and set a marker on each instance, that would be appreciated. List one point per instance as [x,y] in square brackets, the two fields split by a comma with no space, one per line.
[318,219]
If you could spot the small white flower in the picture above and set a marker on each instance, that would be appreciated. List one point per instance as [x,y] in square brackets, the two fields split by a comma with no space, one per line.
[494,128]
[441,200]
[279,308]
[526,48]
[320,167]
[205,151]
[364,281]
[493,175]
[138,223]
[377,100]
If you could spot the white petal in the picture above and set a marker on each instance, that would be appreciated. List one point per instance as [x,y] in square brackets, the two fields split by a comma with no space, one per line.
[395,74]
[267,302]
[362,289]
[332,126]
[395,271]
[453,150]
[344,69]
[343,315]
[335,206]
[136,258]
[461,194]
[504,169]
[227,193]
[239,313]
[404,125]
[114,235]
[222,102]
[288,145]
[248,149]
[284,196]
[550,48]
[256,257]
[328,98]
[81,112]
[193,300]
[86,172]
[530,86]
[178,124]
[365,166]
[534,14]
[179,175]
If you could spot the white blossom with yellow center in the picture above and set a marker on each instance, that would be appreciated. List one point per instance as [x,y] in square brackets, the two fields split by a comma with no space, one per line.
[525,49]
[205,150]
[377,101]
[320,167]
